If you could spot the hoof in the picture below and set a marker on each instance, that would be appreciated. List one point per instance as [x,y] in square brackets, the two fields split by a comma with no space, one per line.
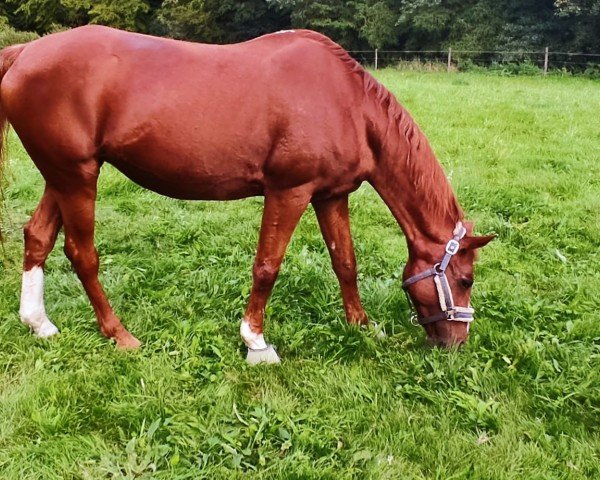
[46,330]
[263,355]
[126,341]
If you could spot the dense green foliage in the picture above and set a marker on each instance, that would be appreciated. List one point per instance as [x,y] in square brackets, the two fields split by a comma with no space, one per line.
[520,401]
[10,36]
[568,25]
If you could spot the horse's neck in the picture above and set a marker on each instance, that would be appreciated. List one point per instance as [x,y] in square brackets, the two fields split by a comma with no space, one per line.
[412,183]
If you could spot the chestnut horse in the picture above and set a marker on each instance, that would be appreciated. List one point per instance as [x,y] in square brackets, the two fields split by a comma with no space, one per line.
[290,116]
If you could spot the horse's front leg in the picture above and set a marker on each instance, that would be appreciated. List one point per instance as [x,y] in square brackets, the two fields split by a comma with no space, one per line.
[282,212]
[334,221]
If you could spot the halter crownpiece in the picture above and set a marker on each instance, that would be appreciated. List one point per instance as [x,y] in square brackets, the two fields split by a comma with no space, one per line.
[438,272]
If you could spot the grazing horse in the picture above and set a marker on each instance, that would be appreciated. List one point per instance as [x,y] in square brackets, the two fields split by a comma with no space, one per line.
[290,116]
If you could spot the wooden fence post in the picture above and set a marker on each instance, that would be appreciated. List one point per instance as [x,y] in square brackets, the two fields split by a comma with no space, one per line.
[376,57]
[449,58]
[546,61]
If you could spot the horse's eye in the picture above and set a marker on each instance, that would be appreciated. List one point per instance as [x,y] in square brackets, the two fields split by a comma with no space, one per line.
[466,282]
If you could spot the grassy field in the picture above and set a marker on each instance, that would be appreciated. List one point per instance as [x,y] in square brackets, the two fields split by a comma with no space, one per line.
[520,401]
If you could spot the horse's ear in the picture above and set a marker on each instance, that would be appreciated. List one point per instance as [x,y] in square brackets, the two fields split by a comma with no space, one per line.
[473,243]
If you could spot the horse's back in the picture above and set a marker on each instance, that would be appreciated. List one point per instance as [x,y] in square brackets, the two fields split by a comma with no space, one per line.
[237,114]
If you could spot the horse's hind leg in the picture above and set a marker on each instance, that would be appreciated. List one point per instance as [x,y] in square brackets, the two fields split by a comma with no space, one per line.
[76,201]
[40,236]
[334,221]
[282,212]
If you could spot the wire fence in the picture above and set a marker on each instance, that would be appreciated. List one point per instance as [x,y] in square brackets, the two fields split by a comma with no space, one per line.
[453,60]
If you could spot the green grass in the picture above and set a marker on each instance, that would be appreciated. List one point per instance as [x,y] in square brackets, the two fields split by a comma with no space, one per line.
[521,400]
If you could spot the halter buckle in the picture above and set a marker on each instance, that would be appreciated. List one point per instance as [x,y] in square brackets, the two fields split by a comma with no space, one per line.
[452,247]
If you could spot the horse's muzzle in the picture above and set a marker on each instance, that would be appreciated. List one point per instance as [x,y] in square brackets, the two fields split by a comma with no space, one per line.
[451,342]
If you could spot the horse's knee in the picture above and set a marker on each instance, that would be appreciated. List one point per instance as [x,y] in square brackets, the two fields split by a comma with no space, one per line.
[70,250]
[265,273]
[85,261]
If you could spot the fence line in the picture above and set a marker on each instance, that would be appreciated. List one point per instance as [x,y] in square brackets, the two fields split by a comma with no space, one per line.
[545,59]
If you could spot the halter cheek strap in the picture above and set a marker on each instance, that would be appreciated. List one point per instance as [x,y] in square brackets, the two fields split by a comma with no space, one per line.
[449,311]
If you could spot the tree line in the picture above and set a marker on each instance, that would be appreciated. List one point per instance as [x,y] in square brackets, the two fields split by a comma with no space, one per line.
[567,25]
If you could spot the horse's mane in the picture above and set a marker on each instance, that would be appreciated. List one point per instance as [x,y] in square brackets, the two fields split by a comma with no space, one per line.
[424,170]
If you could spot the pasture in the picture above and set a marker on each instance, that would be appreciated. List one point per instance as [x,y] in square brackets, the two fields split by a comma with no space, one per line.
[520,400]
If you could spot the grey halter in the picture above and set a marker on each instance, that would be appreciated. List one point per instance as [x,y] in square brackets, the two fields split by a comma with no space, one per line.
[438,272]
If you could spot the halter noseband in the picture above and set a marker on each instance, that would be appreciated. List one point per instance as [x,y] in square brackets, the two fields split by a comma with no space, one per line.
[438,272]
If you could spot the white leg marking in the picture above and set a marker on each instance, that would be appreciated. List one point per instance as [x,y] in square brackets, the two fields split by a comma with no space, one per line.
[32,309]
[254,341]
[258,350]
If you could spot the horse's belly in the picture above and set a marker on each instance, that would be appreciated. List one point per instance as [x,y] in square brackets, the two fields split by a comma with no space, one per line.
[183,182]
[187,159]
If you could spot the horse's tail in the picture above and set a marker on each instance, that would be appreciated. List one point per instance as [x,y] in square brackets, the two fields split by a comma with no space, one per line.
[7,58]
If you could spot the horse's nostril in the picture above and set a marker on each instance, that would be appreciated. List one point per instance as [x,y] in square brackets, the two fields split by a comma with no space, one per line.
[437,342]
[446,342]
[457,342]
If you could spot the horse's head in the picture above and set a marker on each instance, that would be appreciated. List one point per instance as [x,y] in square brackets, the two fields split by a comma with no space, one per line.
[438,279]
